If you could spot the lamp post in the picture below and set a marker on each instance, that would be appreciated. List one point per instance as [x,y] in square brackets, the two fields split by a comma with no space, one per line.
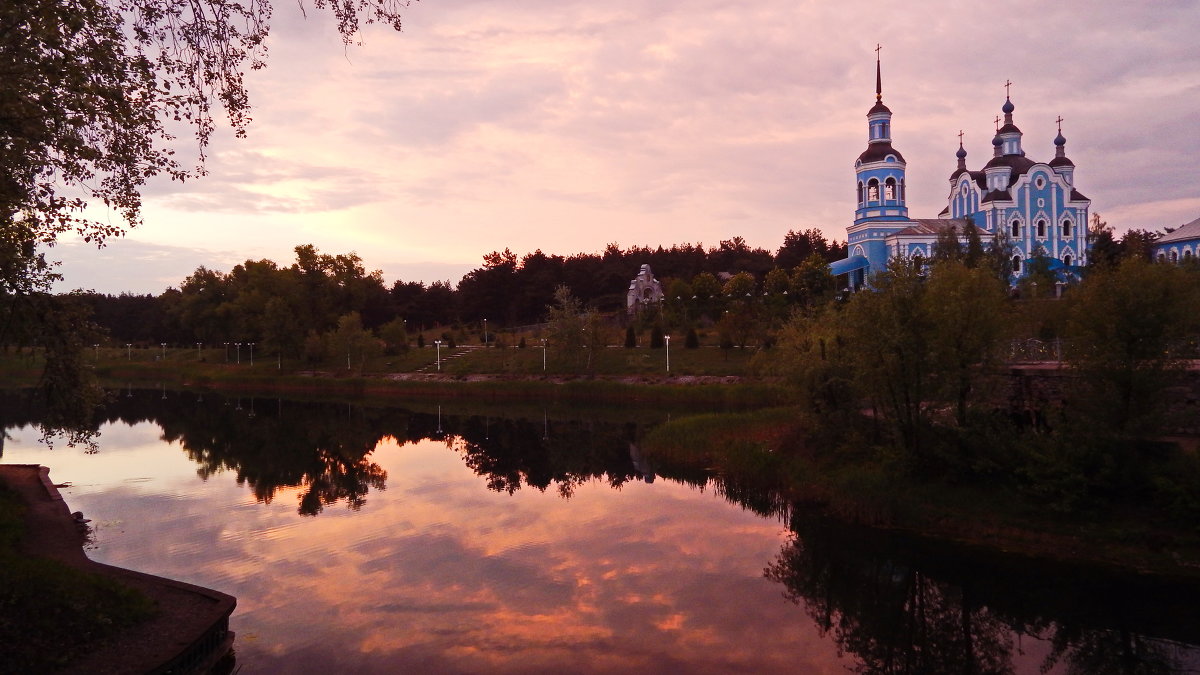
[543,355]
[96,347]
[128,351]
[251,353]
[164,347]
[198,354]
[226,351]
[239,352]
[667,338]
[438,344]
[485,341]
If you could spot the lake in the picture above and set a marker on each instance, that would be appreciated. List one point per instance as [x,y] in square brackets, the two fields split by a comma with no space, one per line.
[427,538]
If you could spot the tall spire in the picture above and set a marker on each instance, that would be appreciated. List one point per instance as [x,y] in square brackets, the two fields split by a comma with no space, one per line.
[878,77]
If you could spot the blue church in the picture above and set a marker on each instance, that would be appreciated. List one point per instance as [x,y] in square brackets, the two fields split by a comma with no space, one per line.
[1181,245]
[1033,204]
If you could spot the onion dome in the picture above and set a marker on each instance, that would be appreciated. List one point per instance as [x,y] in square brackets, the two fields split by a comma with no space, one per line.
[962,160]
[1008,106]
[1060,149]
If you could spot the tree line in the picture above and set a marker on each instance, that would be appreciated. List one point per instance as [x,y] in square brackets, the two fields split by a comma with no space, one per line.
[281,306]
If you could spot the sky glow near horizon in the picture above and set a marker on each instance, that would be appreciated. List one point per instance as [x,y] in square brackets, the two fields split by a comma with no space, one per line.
[565,126]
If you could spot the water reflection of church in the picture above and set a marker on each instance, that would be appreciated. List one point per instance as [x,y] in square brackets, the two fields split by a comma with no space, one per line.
[1032,204]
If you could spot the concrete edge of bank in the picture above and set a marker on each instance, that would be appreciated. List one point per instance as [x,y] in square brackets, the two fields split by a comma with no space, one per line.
[189,633]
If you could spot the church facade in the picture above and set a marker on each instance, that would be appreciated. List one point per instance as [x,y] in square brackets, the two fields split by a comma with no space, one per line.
[1034,205]
[1181,245]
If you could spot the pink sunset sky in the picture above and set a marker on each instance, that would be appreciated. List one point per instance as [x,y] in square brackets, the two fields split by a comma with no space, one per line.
[565,126]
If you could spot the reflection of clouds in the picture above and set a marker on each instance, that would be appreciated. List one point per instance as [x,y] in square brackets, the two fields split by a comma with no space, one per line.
[657,578]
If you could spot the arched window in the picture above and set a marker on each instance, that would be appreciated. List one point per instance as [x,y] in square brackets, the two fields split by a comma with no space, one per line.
[873,190]
[889,189]
[1016,228]
[1016,264]
[1041,228]
[1066,228]
[902,190]
[1174,256]
[862,195]
[1187,255]
[1162,257]
[1067,260]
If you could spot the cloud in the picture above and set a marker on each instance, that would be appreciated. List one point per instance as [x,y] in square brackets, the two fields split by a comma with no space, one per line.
[567,125]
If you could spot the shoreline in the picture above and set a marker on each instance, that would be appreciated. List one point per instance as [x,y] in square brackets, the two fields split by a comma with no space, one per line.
[188,631]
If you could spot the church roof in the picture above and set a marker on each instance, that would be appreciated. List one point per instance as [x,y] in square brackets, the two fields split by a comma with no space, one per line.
[876,152]
[1061,161]
[931,226]
[1018,163]
[1077,196]
[1189,231]
[1009,128]
[997,195]
[878,107]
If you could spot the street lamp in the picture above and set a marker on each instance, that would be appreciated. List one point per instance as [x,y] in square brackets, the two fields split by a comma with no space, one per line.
[164,346]
[543,355]
[96,347]
[239,352]
[251,353]
[198,354]
[438,344]
[668,340]
[128,351]
[485,342]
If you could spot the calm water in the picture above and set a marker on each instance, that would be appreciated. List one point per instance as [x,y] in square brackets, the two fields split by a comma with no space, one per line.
[362,539]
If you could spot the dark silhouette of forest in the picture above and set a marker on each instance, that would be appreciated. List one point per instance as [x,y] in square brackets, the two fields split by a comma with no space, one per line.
[280,304]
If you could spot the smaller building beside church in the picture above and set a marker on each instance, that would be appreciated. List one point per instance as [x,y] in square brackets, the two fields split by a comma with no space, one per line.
[1179,246]
[644,291]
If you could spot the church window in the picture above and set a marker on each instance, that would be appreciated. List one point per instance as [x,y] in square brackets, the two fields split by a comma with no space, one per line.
[1174,256]
[901,189]
[1187,255]
[889,189]
[1067,260]
[1066,228]
[1041,228]
[1016,228]
[873,191]
[1041,182]
[1162,257]
[861,194]
[1016,264]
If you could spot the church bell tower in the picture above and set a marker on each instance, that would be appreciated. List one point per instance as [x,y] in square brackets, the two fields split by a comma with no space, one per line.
[880,168]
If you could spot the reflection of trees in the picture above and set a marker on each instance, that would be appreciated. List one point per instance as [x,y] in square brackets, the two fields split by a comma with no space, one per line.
[893,618]
[325,448]
[541,453]
[1101,652]
[904,607]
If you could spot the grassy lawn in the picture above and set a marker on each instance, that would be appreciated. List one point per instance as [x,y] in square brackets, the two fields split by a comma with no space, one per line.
[459,360]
